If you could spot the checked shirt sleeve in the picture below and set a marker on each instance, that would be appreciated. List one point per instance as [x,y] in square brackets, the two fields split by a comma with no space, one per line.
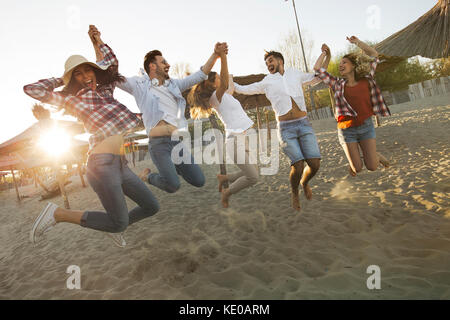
[373,67]
[43,91]
[109,58]
[327,78]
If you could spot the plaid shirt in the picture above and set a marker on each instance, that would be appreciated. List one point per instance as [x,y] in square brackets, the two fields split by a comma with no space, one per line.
[101,114]
[343,108]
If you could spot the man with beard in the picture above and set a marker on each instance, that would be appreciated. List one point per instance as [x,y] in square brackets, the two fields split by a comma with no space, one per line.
[283,88]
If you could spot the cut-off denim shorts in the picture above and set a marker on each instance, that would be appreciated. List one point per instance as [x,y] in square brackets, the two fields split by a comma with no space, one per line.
[298,140]
[357,134]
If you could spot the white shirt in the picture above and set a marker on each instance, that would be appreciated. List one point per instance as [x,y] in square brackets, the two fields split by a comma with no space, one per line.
[279,89]
[230,112]
[167,104]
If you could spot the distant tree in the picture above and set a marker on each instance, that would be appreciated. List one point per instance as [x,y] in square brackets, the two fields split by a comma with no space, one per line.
[291,49]
[403,74]
[180,70]
[441,67]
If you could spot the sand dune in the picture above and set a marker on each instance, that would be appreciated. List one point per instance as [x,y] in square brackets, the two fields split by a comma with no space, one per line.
[259,248]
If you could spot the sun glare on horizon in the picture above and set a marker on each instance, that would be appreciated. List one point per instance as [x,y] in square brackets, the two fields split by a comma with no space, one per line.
[55,142]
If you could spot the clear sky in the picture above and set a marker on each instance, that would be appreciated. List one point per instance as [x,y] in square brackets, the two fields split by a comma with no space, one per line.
[37,36]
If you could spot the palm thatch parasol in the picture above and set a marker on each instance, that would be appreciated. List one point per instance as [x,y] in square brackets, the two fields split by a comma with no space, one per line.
[428,36]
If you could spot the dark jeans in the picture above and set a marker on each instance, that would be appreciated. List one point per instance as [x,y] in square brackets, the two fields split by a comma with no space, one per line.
[160,149]
[111,179]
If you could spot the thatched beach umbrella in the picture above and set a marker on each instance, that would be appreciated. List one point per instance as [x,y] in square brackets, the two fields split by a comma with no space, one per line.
[428,36]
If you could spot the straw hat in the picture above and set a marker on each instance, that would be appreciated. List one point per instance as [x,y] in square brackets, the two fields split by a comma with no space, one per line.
[74,61]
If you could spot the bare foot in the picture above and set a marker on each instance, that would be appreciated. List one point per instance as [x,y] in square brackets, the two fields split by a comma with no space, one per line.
[384,161]
[144,175]
[225,197]
[295,201]
[352,173]
[222,179]
[308,191]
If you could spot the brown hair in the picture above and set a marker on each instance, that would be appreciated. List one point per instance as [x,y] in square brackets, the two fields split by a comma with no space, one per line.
[274,54]
[199,96]
[359,64]
[104,77]
[150,57]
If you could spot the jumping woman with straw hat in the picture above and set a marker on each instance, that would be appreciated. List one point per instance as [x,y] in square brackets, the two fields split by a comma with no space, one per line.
[88,95]
[357,98]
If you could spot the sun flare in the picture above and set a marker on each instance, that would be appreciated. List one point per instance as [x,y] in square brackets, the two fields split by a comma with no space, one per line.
[55,142]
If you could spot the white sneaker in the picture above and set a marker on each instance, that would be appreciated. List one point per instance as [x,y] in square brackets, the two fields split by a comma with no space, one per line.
[118,239]
[44,222]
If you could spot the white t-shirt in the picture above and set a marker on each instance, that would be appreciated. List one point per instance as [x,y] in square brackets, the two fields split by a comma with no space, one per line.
[230,112]
[279,89]
[167,104]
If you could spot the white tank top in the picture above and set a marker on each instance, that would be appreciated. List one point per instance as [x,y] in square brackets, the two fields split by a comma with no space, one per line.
[231,113]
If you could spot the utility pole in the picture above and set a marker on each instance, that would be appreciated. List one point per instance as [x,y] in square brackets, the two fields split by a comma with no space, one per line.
[300,35]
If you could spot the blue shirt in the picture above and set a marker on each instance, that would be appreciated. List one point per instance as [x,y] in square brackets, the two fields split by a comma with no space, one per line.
[148,103]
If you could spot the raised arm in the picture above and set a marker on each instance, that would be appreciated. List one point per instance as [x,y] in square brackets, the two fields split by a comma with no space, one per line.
[96,40]
[324,58]
[213,58]
[103,53]
[371,52]
[328,58]
[43,91]
[224,76]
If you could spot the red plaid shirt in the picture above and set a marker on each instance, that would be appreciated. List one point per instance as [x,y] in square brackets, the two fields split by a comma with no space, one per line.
[101,114]
[343,108]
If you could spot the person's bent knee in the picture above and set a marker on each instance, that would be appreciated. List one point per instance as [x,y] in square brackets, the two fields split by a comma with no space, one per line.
[119,226]
[298,166]
[199,182]
[151,209]
[314,165]
[172,187]
[252,179]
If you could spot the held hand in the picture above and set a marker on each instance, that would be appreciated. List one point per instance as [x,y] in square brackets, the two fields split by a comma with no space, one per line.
[326,50]
[353,40]
[94,34]
[221,48]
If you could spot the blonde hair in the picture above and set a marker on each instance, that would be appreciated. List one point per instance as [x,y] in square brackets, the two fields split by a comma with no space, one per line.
[198,98]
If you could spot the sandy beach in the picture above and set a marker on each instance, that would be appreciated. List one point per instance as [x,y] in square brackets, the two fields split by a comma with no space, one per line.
[259,248]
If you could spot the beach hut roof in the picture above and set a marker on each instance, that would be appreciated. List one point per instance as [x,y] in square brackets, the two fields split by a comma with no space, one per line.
[22,140]
[253,101]
[428,36]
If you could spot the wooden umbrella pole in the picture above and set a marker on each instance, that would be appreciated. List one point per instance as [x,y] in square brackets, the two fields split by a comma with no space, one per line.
[60,178]
[378,120]
[38,180]
[223,167]
[268,125]
[15,184]
[34,177]
[79,164]
[258,120]
[332,101]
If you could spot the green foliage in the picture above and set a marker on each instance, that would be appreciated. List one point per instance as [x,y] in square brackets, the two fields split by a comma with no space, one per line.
[440,67]
[403,74]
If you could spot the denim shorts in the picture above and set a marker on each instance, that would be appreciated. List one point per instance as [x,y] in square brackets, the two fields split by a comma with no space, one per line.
[357,134]
[298,140]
